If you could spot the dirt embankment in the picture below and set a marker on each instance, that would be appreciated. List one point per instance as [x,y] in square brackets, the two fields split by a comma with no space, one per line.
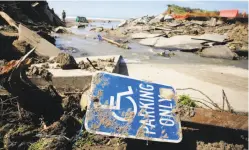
[194,34]
[32,13]
[37,16]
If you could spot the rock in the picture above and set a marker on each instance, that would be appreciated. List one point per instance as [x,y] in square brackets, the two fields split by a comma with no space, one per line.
[159,18]
[123,23]
[143,35]
[66,61]
[61,29]
[219,51]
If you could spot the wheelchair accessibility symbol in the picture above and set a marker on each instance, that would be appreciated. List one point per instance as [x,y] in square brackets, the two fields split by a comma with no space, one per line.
[115,104]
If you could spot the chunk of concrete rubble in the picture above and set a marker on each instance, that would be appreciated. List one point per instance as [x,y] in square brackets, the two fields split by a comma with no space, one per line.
[123,23]
[168,17]
[211,37]
[183,42]
[219,51]
[142,20]
[43,47]
[157,19]
[143,35]
[66,61]
[212,22]
[75,78]
[61,29]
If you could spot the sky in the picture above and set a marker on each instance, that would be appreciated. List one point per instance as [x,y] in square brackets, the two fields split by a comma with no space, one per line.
[129,9]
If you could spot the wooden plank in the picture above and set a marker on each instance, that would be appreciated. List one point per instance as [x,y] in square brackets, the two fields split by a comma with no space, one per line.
[216,118]
[9,20]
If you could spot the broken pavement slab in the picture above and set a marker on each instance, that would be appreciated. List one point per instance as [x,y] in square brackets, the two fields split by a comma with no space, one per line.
[143,35]
[74,78]
[182,42]
[149,41]
[212,37]
[157,19]
[43,47]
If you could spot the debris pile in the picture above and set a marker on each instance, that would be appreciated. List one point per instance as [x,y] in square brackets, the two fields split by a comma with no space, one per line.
[31,13]
[39,72]
[38,117]
[192,34]
[41,116]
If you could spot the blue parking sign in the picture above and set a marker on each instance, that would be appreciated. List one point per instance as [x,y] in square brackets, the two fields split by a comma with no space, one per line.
[125,107]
